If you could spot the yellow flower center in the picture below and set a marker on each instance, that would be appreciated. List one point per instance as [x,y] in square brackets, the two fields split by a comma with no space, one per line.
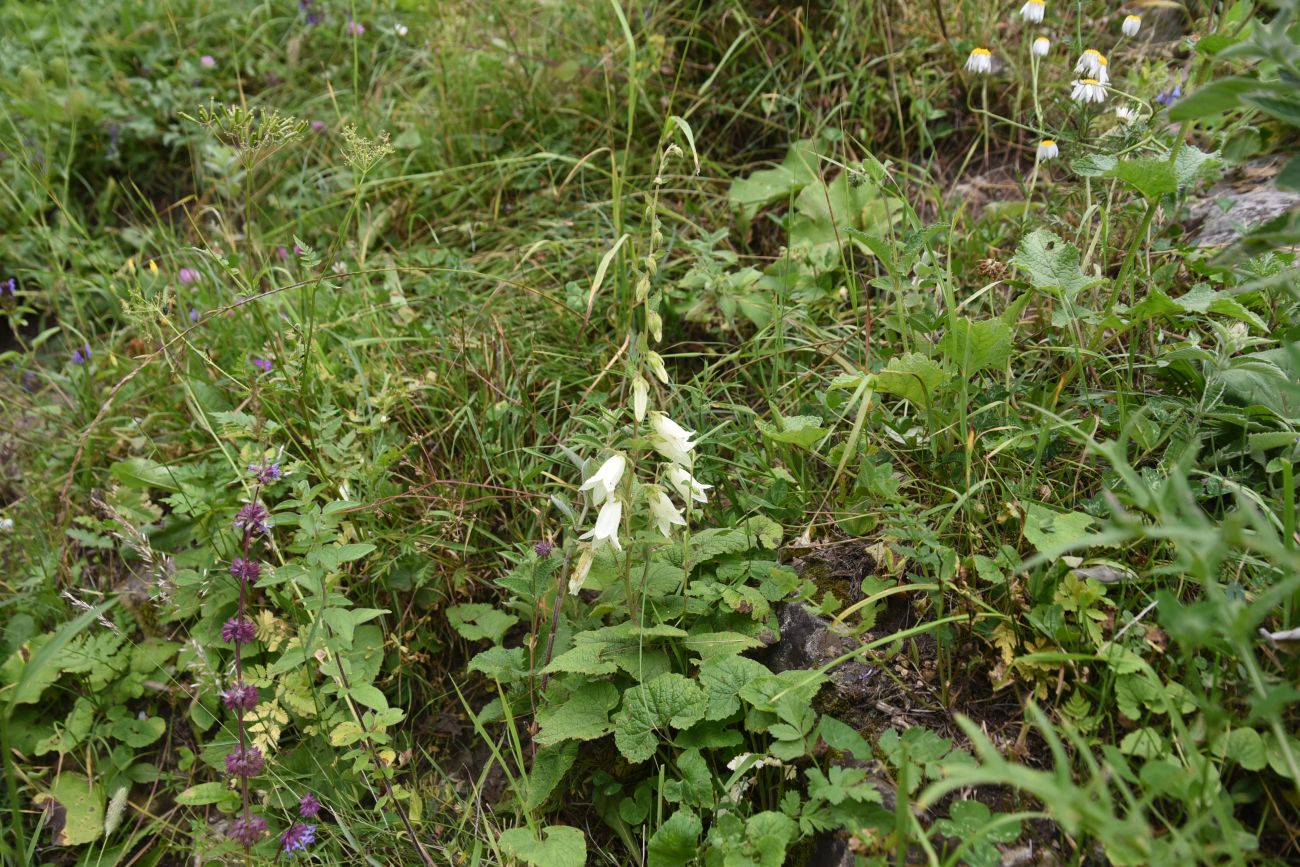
[1048,143]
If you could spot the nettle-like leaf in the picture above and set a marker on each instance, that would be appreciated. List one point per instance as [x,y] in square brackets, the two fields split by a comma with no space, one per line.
[723,677]
[550,764]
[1054,532]
[971,821]
[804,431]
[975,346]
[475,621]
[1052,265]
[559,846]
[677,841]
[912,377]
[1152,177]
[720,644]
[650,708]
[583,716]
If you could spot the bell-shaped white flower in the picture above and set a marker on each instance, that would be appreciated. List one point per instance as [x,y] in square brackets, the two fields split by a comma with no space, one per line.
[1032,11]
[607,524]
[656,365]
[671,439]
[579,575]
[605,480]
[1132,24]
[1041,46]
[666,515]
[640,397]
[686,485]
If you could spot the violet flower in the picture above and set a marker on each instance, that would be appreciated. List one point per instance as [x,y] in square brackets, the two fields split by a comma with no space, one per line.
[308,807]
[245,570]
[254,518]
[239,630]
[207,61]
[245,762]
[82,354]
[265,473]
[298,837]
[188,276]
[247,830]
[240,696]
[262,364]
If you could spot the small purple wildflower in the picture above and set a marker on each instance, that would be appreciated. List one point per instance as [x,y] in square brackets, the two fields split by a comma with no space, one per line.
[282,253]
[82,354]
[247,830]
[297,250]
[265,473]
[544,548]
[355,28]
[318,126]
[254,518]
[245,762]
[238,630]
[194,314]
[240,696]
[8,288]
[207,61]
[245,570]
[309,806]
[262,364]
[1169,97]
[298,837]
[188,276]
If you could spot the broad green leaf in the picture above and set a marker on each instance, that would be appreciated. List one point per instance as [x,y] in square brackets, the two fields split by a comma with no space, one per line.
[912,377]
[504,665]
[369,696]
[825,213]
[1283,106]
[583,658]
[476,621]
[583,716]
[1052,265]
[722,678]
[83,804]
[206,793]
[803,431]
[713,644]
[975,346]
[1192,164]
[550,764]
[1093,165]
[1245,747]
[344,621]
[841,736]
[1214,98]
[650,708]
[770,833]
[559,846]
[346,733]
[766,186]
[677,841]
[1153,177]
[1054,532]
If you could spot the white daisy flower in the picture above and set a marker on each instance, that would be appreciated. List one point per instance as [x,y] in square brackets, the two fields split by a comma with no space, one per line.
[980,61]
[1041,46]
[1032,11]
[1126,114]
[1047,149]
[1103,69]
[1088,90]
[1089,63]
[1132,24]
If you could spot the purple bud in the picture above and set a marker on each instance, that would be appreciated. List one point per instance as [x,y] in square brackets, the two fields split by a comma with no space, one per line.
[282,253]
[240,696]
[309,806]
[245,570]
[188,276]
[8,288]
[245,762]
[355,28]
[238,630]
[254,518]
[298,837]
[247,830]
[265,473]
[81,355]
[544,548]
[207,61]
[194,314]
[262,364]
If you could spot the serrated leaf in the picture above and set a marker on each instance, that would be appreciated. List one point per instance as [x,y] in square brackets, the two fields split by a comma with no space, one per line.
[504,665]
[722,678]
[583,716]
[1191,164]
[1214,98]
[975,346]
[677,841]
[650,708]
[803,431]
[475,621]
[550,764]
[559,846]
[714,644]
[1152,177]
[1052,265]
[912,377]
[582,658]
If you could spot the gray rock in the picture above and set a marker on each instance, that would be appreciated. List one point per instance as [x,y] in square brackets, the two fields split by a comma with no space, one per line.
[1231,208]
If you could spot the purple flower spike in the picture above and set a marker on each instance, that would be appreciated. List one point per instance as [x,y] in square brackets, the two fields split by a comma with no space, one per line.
[265,473]
[247,830]
[309,806]
[298,837]
[544,548]
[188,276]
[240,696]
[254,518]
[245,570]
[262,364]
[82,354]
[8,288]
[245,762]
[238,630]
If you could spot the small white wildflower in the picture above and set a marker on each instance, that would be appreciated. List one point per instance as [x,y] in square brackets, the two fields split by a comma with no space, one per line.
[666,515]
[1048,150]
[1032,11]
[605,480]
[6,525]
[1088,90]
[640,397]
[1103,69]
[1089,63]
[1132,24]
[686,486]
[1126,114]
[1041,46]
[607,523]
[671,439]
[980,61]
[400,29]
